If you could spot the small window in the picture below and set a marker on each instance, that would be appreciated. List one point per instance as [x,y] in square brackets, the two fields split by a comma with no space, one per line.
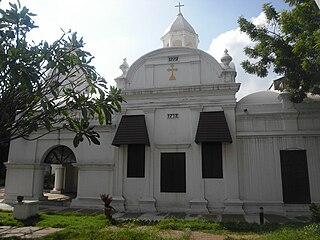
[136,159]
[212,160]
[189,44]
[177,43]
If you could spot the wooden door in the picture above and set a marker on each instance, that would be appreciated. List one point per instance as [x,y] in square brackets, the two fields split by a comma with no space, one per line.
[295,177]
[173,172]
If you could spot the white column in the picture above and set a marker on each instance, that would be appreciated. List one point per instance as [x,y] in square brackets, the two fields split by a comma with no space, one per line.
[59,178]
[170,42]
[38,179]
[118,200]
[147,201]
[198,203]
[233,204]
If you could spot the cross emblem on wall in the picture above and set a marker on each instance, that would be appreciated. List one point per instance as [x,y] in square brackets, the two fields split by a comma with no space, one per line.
[172,69]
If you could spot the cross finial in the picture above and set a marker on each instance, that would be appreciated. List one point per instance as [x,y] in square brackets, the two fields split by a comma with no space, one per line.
[179,6]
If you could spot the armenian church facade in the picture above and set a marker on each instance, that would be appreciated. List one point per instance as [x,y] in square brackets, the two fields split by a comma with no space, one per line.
[183,143]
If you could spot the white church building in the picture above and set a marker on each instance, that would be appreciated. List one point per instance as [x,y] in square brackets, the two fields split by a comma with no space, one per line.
[183,143]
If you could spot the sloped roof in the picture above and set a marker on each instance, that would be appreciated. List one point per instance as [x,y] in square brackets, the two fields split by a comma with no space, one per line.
[131,130]
[213,127]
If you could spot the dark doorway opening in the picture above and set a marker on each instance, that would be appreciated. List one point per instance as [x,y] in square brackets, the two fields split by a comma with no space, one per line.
[173,172]
[295,177]
[61,177]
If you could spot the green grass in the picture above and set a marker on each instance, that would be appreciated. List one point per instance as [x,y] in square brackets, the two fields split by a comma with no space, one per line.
[306,232]
[193,225]
[81,226]
[64,220]
[6,219]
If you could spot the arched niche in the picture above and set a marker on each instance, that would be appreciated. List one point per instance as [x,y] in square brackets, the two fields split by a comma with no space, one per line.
[60,160]
[60,155]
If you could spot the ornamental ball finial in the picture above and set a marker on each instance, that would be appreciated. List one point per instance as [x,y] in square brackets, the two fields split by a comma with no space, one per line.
[226,58]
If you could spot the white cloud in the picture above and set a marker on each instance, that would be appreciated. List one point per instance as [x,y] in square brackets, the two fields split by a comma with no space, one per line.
[235,41]
[260,20]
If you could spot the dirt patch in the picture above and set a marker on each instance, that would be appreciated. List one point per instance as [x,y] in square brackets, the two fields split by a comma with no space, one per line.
[209,236]
[203,236]
[171,234]
[175,234]
[206,236]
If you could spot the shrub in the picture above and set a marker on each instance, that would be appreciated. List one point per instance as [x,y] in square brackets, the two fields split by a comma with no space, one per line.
[315,212]
[48,181]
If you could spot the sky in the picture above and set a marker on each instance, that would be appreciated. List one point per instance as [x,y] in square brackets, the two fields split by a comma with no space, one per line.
[118,29]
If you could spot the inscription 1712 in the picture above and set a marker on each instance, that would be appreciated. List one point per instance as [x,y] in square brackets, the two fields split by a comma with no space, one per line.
[173,59]
[172,115]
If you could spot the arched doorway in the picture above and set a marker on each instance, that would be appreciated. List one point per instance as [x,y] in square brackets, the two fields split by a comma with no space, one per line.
[60,160]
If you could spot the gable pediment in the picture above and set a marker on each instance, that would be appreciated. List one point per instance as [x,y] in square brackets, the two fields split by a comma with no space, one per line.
[174,67]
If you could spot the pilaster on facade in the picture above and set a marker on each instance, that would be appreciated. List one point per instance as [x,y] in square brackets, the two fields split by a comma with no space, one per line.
[24,179]
[233,206]
[198,206]
[147,204]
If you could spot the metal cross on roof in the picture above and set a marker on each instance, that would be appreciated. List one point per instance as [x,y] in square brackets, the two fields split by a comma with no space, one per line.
[179,6]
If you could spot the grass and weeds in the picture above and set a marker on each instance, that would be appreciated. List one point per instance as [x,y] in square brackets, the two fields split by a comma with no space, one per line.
[306,232]
[6,219]
[193,225]
[80,226]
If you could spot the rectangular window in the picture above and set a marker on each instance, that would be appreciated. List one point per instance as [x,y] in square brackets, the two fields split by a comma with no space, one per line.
[212,160]
[136,160]
[173,172]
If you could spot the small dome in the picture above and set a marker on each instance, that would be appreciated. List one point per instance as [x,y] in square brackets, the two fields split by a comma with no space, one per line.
[263,97]
[179,24]
[180,34]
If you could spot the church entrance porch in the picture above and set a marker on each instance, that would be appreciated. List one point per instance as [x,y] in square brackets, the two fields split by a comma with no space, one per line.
[60,174]
[57,199]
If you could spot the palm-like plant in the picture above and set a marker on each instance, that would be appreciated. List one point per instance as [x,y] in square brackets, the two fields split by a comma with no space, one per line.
[107,199]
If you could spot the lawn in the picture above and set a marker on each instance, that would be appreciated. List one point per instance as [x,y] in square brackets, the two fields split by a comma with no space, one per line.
[80,226]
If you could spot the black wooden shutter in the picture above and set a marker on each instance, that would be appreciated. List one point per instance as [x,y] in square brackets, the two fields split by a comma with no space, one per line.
[212,160]
[136,160]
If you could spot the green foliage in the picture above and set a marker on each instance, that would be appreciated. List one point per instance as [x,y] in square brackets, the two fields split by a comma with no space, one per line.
[48,86]
[216,227]
[194,225]
[72,220]
[290,43]
[128,234]
[48,182]
[81,226]
[6,219]
[249,227]
[308,232]
[315,212]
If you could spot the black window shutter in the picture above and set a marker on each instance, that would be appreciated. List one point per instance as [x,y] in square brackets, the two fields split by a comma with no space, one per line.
[136,160]
[212,160]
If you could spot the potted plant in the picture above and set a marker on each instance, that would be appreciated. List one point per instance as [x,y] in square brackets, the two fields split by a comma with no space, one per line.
[107,199]
[20,199]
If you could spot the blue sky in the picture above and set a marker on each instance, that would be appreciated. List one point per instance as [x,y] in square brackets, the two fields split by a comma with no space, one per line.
[114,29]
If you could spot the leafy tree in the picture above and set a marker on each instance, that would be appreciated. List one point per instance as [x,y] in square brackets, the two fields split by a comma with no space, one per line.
[290,43]
[47,87]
